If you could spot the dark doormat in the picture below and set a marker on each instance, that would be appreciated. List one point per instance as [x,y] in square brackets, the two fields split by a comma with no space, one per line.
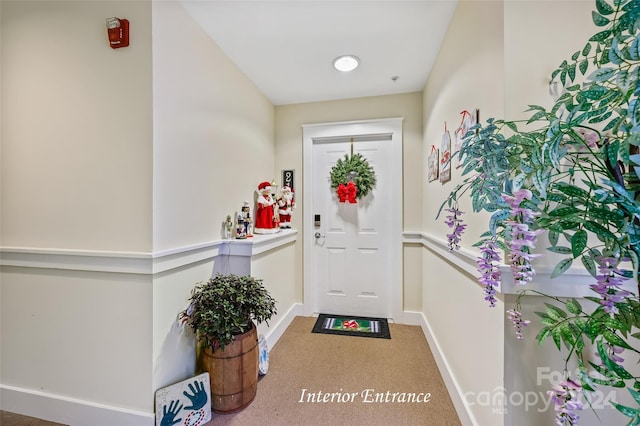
[349,325]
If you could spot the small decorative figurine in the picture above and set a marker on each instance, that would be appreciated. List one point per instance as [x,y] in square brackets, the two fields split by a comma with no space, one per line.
[241,230]
[228,225]
[285,207]
[265,218]
[246,215]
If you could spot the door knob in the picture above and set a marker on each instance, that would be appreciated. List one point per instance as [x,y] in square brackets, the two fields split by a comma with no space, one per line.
[318,235]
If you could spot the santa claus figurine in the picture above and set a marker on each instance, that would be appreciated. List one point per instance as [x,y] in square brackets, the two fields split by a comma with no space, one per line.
[265,221]
[285,207]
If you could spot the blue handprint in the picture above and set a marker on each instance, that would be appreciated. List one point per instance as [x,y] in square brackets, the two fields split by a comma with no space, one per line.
[169,416]
[199,397]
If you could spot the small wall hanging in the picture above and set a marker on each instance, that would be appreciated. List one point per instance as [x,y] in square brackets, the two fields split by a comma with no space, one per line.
[468,121]
[445,161]
[432,164]
[352,177]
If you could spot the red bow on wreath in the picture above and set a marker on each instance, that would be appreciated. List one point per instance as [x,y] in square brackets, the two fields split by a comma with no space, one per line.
[347,192]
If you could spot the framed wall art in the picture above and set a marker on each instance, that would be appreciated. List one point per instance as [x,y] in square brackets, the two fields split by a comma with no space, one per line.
[468,120]
[432,164]
[445,152]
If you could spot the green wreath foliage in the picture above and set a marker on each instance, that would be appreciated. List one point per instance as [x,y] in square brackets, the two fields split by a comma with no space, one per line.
[365,180]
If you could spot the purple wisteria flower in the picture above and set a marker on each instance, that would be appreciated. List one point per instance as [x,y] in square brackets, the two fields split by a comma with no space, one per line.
[453,221]
[518,323]
[523,239]
[491,274]
[566,398]
[608,284]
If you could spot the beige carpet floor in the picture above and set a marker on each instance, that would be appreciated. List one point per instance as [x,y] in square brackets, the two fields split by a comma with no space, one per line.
[305,365]
[306,362]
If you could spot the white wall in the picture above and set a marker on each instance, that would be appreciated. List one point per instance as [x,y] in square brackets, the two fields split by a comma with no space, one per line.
[76,134]
[277,270]
[213,133]
[468,74]
[116,171]
[289,121]
[497,56]
[76,179]
[213,142]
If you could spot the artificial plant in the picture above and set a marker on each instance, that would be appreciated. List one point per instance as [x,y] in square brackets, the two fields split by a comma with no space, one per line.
[226,306]
[571,173]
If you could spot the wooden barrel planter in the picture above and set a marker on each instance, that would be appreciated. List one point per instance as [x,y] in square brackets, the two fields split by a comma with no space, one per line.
[233,373]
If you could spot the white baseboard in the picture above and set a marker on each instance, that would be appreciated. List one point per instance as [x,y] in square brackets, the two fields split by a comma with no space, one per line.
[275,331]
[455,392]
[412,318]
[76,412]
[69,411]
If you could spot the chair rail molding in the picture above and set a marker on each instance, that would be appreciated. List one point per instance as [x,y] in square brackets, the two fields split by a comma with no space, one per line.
[573,283]
[147,263]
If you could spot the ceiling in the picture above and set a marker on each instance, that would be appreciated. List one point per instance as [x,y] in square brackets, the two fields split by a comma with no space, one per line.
[286,47]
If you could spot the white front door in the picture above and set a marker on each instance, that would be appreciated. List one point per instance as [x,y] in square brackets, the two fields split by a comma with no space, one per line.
[353,261]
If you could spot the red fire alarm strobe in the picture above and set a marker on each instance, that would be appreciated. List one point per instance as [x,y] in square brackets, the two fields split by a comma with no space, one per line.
[118,31]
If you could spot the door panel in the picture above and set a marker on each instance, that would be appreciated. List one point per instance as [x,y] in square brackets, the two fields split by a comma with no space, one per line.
[352,269]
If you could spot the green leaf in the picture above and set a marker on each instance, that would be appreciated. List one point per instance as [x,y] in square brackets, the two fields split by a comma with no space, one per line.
[617,369]
[635,394]
[586,49]
[511,125]
[595,92]
[555,312]
[601,36]
[575,56]
[615,324]
[496,218]
[634,48]
[615,56]
[599,20]
[543,334]
[623,80]
[583,65]
[553,237]
[518,181]
[537,116]
[564,211]
[571,190]
[557,337]
[599,230]
[560,250]
[627,411]
[614,339]
[541,182]
[578,242]
[561,267]
[574,306]
[603,7]
[572,71]
[589,265]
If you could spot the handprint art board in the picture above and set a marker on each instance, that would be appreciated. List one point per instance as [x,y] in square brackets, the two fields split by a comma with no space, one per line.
[186,403]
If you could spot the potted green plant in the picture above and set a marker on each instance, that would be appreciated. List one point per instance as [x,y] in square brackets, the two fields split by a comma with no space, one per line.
[572,173]
[224,312]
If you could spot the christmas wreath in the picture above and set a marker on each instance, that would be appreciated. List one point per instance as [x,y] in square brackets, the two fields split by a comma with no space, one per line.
[352,177]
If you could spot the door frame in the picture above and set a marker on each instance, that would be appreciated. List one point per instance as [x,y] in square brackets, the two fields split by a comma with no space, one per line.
[387,127]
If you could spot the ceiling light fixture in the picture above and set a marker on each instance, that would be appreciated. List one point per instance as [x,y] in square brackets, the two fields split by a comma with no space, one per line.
[346,63]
